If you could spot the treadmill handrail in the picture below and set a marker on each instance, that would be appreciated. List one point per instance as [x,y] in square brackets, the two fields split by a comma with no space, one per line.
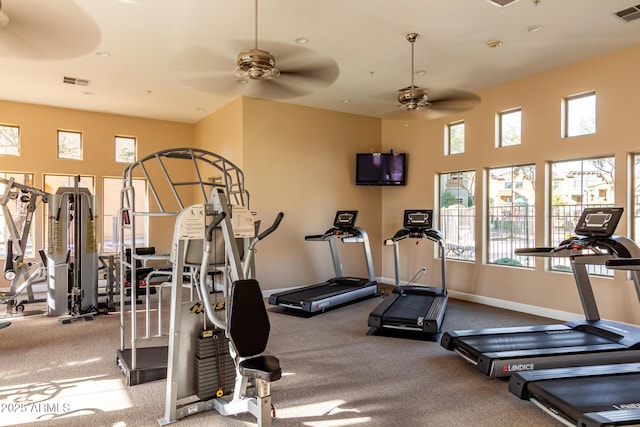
[576,245]
[339,232]
[416,233]
[624,264]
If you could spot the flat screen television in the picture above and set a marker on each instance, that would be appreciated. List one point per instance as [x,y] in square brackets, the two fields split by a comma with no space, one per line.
[381,169]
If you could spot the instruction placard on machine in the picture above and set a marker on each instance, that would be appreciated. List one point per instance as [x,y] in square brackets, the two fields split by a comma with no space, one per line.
[192,223]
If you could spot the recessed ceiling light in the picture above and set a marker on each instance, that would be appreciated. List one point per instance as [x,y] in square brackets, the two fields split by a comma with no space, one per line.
[200,109]
[88,93]
[241,81]
[494,43]
[302,40]
[345,101]
[103,54]
[420,72]
[533,28]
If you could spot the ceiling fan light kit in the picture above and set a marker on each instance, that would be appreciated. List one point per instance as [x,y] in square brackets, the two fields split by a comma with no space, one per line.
[257,64]
[415,98]
[412,97]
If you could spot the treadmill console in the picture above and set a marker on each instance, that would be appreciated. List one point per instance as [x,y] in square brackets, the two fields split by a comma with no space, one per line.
[418,219]
[598,222]
[345,219]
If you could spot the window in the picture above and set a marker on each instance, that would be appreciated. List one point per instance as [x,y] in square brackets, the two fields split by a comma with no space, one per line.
[111,206]
[69,145]
[580,114]
[455,138]
[636,196]
[18,208]
[511,214]
[581,183]
[509,127]
[458,214]
[125,149]
[10,140]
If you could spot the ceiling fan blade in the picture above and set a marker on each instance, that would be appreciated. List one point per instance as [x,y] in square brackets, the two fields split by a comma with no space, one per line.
[319,75]
[226,84]
[47,30]
[198,59]
[453,101]
[221,84]
[302,71]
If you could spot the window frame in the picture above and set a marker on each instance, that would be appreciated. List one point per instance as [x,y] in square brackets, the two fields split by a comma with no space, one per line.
[462,247]
[500,131]
[566,113]
[142,228]
[515,215]
[450,130]
[562,226]
[60,154]
[6,127]
[123,138]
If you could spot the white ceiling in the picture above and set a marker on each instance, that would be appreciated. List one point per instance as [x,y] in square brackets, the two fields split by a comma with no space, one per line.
[164,54]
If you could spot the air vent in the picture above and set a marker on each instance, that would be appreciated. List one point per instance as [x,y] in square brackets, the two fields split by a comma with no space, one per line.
[502,3]
[629,14]
[75,81]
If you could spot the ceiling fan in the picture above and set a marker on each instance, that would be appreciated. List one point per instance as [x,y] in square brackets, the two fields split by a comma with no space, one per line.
[257,64]
[415,98]
[33,29]
[299,71]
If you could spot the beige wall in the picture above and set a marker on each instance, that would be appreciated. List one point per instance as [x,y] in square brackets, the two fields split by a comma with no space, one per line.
[301,161]
[540,98]
[222,132]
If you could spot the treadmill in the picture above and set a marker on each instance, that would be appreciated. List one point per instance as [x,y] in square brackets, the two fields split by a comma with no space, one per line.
[414,308]
[587,396]
[339,290]
[501,352]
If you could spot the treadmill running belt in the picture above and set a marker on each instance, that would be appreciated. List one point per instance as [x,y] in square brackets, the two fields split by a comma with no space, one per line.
[409,307]
[532,340]
[314,292]
[576,396]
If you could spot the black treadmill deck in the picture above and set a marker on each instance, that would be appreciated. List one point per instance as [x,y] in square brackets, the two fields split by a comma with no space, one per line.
[322,290]
[502,352]
[476,345]
[573,397]
[411,308]
[332,293]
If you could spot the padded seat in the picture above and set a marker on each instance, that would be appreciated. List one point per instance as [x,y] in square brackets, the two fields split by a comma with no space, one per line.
[265,368]
[249,332]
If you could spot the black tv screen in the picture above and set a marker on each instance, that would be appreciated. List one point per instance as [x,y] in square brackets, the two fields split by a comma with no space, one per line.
[381,169]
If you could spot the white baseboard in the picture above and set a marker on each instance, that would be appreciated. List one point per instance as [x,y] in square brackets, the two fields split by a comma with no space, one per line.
[507,305]
[516,306]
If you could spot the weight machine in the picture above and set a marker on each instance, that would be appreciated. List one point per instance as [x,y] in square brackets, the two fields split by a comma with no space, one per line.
[21,273]
[172,177]
[72,255]
[244,321]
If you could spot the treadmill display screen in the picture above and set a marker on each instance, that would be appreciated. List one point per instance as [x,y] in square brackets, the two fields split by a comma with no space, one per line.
[345,219]
[597,220]
[600,222]
[418,218]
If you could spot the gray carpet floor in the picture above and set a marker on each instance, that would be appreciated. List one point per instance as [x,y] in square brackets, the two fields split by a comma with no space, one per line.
[334,374]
